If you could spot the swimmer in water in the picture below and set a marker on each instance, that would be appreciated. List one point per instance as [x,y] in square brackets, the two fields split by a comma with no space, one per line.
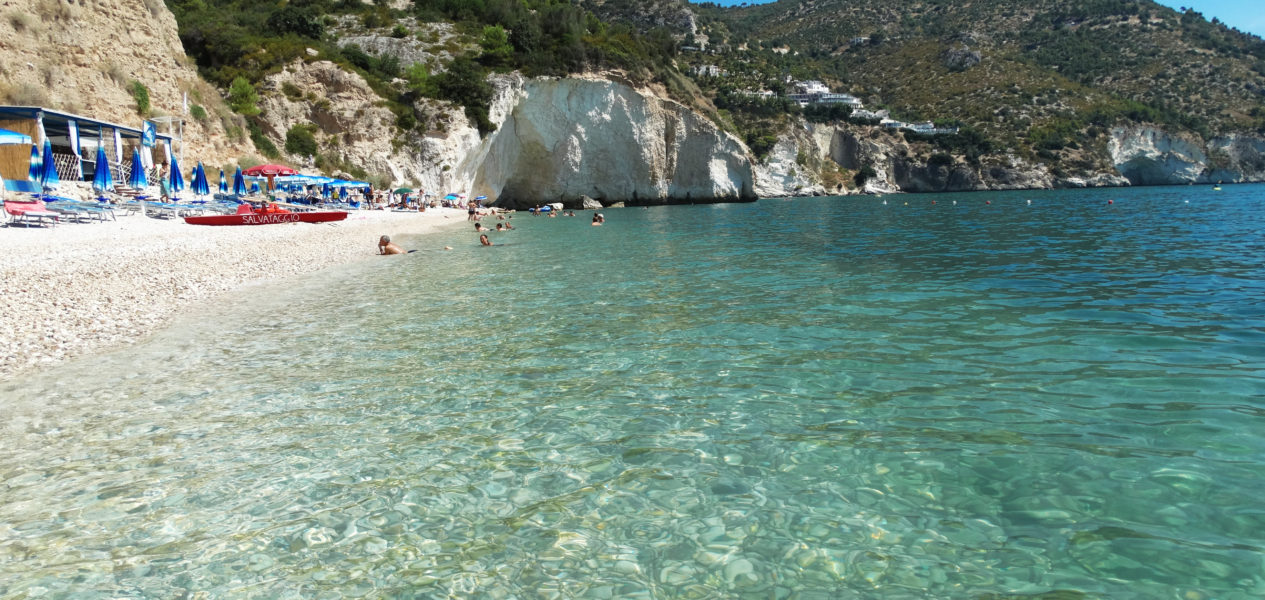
[386,247]
[483,239]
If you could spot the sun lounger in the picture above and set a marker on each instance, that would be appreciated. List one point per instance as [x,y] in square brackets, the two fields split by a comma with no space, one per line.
[32,212]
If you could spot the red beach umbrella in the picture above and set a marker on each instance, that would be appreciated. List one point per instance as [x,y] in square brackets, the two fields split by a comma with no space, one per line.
[269,170]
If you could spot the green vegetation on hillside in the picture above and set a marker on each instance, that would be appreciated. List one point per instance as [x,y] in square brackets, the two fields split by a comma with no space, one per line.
[537,37]
[1053,76]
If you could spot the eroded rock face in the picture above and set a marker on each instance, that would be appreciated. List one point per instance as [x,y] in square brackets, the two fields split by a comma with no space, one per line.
[1150,156]
[80,58]
[560,139]
[356,129]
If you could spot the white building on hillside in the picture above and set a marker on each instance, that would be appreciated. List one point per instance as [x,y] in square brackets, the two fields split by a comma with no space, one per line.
[811,87]
[816,92]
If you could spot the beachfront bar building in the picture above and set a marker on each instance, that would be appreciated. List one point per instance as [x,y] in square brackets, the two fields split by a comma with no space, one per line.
[75,140]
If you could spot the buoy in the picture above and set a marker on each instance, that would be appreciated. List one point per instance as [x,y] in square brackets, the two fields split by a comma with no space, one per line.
[906,204]
[1111,202]
[933,201]
[988,202]
[884,203]
[955,202]
[1188,202]
[1029,203]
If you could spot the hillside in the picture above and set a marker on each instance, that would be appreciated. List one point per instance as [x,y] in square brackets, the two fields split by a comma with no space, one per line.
[1045,78]
[88,60]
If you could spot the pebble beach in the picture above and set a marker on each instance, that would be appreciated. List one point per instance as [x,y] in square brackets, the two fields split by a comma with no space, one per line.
[76,289]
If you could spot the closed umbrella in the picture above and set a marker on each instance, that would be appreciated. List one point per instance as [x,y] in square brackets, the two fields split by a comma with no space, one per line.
[325,191]
[176,179]
[102,181]
[49,178]
[223,183]
[239,183]
[254,187]
[136,178]
[199,185]
[37,164]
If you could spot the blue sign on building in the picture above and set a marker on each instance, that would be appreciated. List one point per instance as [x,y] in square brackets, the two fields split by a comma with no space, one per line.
[148,133]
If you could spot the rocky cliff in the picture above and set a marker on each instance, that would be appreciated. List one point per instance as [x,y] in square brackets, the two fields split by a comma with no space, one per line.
[80,56]
[353,128]
[1150,156]
[560,139]
[815,159]
[556,140]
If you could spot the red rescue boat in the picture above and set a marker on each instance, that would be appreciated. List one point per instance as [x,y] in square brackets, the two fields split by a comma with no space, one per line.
[268,215]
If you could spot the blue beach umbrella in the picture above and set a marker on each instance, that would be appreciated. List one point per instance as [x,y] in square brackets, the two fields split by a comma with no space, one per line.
[102,181]
[49,178]
[37,164]
[223,183]
[175,179]
[199,185]
[239,183]
[137,177]
[325,192]
[254,187]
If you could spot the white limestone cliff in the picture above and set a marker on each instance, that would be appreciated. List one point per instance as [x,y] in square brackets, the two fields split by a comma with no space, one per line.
[559,139]
[1150,156]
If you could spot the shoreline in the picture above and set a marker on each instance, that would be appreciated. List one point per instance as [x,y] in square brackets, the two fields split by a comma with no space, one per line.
[79,289]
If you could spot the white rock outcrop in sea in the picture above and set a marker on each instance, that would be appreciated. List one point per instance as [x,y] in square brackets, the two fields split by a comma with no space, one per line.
[560,139]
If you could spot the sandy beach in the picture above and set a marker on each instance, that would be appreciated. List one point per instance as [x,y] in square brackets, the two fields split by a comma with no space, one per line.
[75,289]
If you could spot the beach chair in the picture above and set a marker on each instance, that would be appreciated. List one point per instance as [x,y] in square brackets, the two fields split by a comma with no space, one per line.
[29,212]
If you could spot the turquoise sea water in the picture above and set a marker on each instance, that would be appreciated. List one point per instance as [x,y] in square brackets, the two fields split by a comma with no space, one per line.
[818,398]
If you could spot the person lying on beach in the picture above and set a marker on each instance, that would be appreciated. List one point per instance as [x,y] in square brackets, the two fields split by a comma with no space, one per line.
[483,239]
[386,247]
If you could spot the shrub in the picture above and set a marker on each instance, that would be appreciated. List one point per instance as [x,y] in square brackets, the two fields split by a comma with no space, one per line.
[866,173]
[300,140]
[262,143]
[198,112]
[242,97]
[291,91]
[140,93]
[25,94]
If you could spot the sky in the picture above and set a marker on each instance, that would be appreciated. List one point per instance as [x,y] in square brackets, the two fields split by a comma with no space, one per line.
[1247,15]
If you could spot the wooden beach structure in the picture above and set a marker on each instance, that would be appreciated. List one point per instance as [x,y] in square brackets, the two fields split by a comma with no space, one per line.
[75,139]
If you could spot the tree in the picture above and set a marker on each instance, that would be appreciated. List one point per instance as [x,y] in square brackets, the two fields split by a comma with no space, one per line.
[299,20]
[465,83]
[243,98]
[497,50]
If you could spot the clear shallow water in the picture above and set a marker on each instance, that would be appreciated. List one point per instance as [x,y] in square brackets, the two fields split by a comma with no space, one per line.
[815,398]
